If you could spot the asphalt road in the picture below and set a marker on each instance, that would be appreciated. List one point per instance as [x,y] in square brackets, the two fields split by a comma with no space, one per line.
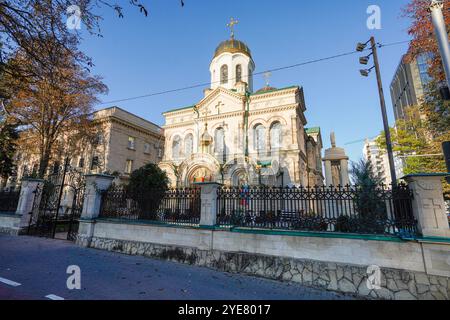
[35,268]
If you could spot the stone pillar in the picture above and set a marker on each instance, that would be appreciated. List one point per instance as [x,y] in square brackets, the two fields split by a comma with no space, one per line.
[428,204]
[344,172]
[208,197]
[26,199]
[95,184]
[328,173]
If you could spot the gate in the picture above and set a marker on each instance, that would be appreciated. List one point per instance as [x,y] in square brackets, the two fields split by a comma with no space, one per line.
[58,204]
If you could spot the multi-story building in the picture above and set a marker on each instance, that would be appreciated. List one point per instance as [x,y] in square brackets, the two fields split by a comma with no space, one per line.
[123,143]
[380,161]
[409,83]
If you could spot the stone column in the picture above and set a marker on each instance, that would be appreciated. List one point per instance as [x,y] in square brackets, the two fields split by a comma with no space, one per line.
[344,172]
[95,184]
[428,204]
[208,196]
[28,195]
[328,174]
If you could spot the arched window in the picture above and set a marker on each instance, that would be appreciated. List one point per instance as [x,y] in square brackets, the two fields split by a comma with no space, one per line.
[224,74]
[275,136]
[188,145]
[219,139]
[238,73]
[259,138]
[176,144]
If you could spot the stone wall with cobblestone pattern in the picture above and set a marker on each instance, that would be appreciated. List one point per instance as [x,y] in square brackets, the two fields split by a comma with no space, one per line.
[395,284]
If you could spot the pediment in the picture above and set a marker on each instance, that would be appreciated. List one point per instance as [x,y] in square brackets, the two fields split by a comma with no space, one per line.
[220,101]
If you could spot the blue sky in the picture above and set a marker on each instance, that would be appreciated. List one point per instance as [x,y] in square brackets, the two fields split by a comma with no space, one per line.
[172,48]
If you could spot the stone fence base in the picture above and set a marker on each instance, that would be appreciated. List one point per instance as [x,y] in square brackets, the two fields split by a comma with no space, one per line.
[395,284]
[10,224]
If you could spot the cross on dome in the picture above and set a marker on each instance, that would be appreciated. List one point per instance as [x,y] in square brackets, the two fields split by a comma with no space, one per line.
[231,25]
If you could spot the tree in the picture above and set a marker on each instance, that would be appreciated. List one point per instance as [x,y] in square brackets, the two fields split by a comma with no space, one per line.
[8,144]
[147,187]
[25,23]
[368,202]
[418,138]
[55,104]
[421,30]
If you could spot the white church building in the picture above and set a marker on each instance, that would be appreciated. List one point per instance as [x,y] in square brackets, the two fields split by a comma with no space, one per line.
[238,136]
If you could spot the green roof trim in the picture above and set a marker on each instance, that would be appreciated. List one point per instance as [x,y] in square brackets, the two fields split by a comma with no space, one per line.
[275,90]
[312,130]
[266,163]
[179,109]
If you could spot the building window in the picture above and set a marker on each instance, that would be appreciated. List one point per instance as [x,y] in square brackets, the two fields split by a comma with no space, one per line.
[224,74]
[275,136]
[219,141]
[131,143]
[147,148]
[176,144]
[259,138]
[94,163]
[128,166]
[238,73]
[98,139]
[81,162]
[56,166]
[188,145]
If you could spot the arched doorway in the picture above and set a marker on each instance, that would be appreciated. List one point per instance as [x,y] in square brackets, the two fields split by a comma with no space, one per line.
[200,174]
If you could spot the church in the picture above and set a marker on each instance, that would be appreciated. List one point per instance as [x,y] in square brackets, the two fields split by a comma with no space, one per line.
[237,136]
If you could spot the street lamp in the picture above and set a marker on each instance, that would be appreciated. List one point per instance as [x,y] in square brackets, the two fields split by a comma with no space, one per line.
[365,73]
[360,47]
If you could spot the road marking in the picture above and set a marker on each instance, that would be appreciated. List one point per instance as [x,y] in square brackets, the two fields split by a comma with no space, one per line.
[9,282]
[54,297]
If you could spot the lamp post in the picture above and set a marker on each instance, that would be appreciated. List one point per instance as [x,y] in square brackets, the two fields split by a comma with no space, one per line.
[365,72]
[440,29]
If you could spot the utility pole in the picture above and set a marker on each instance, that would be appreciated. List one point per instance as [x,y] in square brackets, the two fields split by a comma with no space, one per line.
[387,132]
[441,35]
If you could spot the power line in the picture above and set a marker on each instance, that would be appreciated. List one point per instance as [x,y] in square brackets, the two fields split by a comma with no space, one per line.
[256,73]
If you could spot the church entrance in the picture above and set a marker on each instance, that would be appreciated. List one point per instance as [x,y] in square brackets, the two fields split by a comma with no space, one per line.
[201,174]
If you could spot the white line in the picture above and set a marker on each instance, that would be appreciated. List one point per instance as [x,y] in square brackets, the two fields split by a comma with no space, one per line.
[54,297]
[9,282]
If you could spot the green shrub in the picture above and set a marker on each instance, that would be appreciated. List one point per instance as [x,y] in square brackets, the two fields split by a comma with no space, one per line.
[147,187]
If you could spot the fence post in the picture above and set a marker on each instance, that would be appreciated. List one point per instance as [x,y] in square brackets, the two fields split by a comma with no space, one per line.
[428,204]
[208,198]
[27,198]
[95,184]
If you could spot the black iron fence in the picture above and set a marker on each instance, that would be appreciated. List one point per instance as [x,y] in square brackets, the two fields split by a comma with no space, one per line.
[178,206]
[353,209]
[9,200]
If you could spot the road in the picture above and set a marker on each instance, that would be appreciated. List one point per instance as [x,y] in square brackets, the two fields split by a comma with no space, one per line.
[36,268]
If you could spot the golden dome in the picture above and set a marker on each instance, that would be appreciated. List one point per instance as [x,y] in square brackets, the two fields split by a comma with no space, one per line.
[206,138]
[232,46]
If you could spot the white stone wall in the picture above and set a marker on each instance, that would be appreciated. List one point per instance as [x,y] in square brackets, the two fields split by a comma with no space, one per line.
[330,263]
[10,224]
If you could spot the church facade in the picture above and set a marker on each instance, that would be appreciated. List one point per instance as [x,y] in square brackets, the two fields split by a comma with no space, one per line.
[237,136]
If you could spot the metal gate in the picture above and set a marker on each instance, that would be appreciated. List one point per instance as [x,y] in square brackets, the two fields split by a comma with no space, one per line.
[58,204]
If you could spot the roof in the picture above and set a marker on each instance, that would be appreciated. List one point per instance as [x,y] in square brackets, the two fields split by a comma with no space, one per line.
[179,109]
[312,130]
[123,114]
[232,46]
[273,90]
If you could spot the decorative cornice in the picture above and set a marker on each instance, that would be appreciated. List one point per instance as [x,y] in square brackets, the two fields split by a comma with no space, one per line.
[281,92]
[112,119]
[228,115]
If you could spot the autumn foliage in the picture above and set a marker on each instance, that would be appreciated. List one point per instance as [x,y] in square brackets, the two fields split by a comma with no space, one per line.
[422,32]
